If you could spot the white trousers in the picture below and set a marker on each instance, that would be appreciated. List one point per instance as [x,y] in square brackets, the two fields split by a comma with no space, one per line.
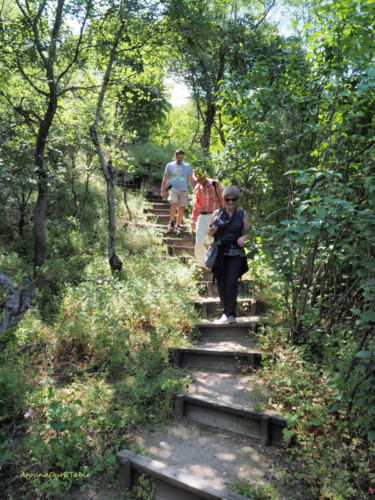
[203,225]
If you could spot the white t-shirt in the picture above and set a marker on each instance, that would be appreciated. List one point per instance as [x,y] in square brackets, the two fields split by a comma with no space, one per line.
[178,174]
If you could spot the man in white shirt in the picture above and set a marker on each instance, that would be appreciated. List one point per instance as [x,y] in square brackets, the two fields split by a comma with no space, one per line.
[176,177]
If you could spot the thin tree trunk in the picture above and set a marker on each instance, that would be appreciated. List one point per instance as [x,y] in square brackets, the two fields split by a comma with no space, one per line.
[40,240]
[208,122]
[107,168]
[210,114]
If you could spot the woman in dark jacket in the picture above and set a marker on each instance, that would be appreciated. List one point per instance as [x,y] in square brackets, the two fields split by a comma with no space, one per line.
[229,225]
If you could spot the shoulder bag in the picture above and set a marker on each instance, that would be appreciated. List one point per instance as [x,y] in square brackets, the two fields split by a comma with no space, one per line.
[213,249]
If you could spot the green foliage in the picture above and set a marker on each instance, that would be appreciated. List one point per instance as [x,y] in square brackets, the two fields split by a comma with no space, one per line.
[100,315]
[98,368]
[143,106]
[324,254]
[57,444]
[148,157]
[182,131]
[144,489]
[333,461]
[254,491]
[13,387]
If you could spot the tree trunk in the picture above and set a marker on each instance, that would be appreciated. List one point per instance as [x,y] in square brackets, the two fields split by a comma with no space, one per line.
[107,168]
[210,112]
[109,175]
[114,261]
[40,240]
[208,122]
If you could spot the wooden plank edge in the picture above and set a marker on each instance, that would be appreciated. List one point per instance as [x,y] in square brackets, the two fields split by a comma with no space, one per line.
[130,460]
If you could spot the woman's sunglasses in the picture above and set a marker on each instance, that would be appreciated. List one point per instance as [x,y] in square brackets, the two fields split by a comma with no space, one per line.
[231,199]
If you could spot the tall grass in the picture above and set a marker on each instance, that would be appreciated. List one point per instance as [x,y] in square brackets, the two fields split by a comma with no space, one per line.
[79,378]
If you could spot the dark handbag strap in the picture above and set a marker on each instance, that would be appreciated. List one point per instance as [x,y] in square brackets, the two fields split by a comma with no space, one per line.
[214,185]
[230,218]
[225,223]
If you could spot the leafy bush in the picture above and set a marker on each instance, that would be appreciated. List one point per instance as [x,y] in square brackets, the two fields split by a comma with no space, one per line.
[149,156]
[98,368]
[254,491]
[333,458]
[13,388]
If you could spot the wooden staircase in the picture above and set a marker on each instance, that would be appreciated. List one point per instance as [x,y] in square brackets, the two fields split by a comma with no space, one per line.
[222,361]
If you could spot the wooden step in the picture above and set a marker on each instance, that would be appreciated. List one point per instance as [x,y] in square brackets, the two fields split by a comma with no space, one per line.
[171,483]
[160,219]
[156,211]
[210,306]
[174,251]
[209,288]
[163,204]
[241,332]
[265,426]
[217,359]
[154,198]
[184,233]
[184,241]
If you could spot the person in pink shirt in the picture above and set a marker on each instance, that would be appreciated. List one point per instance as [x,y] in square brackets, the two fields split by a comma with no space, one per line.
[208,197]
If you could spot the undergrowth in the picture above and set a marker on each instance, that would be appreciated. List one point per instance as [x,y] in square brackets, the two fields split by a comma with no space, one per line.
[88,364]
[331,458]
[76,382]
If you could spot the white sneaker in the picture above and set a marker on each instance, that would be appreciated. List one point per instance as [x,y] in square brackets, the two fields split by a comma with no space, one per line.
[223,319]
[232,319]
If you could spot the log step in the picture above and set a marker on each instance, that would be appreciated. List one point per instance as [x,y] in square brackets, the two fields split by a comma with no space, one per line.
[171,483]
[154,198]
[156,211]
[130,186]
[210,306]
[217,359]
[185,241]
[209,288]
[265,426]
[160,219]
[174,251]
[240,333]
[163,204]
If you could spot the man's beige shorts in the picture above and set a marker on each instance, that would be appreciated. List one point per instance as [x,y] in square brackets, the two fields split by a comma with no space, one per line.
[179,197]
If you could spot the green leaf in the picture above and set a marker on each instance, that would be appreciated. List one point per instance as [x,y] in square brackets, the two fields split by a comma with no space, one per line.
[54,407]
[4,451]
[321,212]
[371,435]
[288,434]
[51,392]
[301,209]
[78,421]
[363,354]
[368,315]
[111,459]
[316,421]
[335,407]
[57,425]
